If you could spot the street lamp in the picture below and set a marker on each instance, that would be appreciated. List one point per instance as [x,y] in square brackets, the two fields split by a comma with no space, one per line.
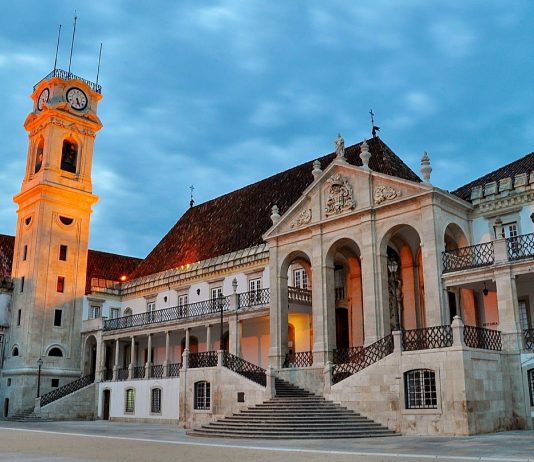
[393,266]
[39,364]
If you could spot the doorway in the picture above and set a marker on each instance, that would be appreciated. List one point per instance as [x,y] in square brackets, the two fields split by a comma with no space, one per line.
[105,404]
[342,328]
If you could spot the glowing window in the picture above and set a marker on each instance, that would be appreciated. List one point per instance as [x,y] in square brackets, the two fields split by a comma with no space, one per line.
[129,402]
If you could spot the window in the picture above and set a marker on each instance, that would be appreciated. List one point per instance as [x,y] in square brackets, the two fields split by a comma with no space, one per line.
[58,314]
[531,385]
[63,252]
[60,284]
[524,320]
[114,313]
[69,155]
[150,308]
[129,402]
[202,395]
[54,383]
[9,382]
[19,315]
[25,253]
[95,311]
[254,288]
[39,155]
[216,292]
[182,304]
[300,278]
[507,230]
[56,352]
[155,401]
[22,284]
[420,389]
[15,351]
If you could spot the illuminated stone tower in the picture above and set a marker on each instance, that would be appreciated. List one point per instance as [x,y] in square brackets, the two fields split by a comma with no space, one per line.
[50,256]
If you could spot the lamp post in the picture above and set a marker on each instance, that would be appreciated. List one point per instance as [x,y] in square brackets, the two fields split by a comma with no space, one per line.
[39,364]
[393,266]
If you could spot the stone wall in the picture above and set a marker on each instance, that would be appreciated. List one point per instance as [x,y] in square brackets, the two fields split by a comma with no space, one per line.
[80,405]
[311,379]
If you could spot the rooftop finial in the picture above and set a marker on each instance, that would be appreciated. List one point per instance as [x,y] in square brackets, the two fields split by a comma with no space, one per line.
[316,172]
[365,155]
[340,148]
[426,169]
[375,128]
[192,201]
[275,214]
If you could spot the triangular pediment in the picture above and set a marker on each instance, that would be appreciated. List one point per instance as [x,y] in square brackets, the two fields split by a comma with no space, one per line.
[342,189]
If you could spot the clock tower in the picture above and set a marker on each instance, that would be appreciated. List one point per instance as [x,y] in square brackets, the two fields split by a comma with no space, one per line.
[50,256]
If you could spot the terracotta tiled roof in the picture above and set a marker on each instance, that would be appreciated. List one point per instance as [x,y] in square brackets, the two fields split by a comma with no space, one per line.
[101,265]
[238,220]
[523,165]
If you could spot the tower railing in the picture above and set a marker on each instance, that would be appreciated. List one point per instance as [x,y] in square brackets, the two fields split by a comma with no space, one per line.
[60,73]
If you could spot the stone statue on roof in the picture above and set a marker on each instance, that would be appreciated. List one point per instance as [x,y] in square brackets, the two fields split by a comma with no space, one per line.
[340,147]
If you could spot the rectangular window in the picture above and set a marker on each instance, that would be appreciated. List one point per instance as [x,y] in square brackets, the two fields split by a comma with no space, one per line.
[182,305]
[202,395]
[507,230]
[531,385]
[22,284]
[19,315]
[114,313]
[420,389]
[58,314]
[63,252]
[300,278]
[150,308]
[60,284]
[216,292]
[254,288]
[55,383]
[25,253]
[129,402]
[155,404]
[95,311]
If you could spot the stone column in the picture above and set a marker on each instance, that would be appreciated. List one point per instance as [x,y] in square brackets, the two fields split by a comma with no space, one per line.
[167,346]
[508,310]
[234,335]
[187,338]
[208,338]
[100,359]
[278,310]
[116,365]
[132,358]
[148,356]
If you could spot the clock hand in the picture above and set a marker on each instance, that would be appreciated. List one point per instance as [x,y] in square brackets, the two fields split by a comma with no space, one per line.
[77,100]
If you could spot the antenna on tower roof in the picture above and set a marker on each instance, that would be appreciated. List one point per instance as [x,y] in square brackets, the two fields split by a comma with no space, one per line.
[73,35]
[98,68]
[375,128]
[192,201]
[57,46]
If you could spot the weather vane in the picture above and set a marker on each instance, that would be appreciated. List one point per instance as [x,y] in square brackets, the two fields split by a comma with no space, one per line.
[192,201]
[375,128]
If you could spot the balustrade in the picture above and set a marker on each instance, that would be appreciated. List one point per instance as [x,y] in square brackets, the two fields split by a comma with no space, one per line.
[299,296]
[244,368]
[204,359]
[480,337]
[254,298]
[528,336]
[67,389]
[520,247]
[427,338]
[474,256]
[298,359]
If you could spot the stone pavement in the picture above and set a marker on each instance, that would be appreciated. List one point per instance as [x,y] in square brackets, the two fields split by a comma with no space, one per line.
[79,441]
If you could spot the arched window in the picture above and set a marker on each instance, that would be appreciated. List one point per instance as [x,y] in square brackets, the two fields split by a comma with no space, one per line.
[39,155]
[531,385]
[202,395]
[129,401]
[155,400]
[55,352]
[420,389]
[69,156]
[15,351]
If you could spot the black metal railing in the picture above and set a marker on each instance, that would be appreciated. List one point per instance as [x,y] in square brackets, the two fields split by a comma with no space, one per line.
[65,390]
[192,310]
[107,375]
[173,370]
[427,338]
[254,298]
[156,371]
[369,355]
[298,359]
[300,296]
[244,368]
[520,247]
[346,355]
[204,359]
[528,337]
[473,256]
[480,337]
[123,373]
[138,372]
[70,76]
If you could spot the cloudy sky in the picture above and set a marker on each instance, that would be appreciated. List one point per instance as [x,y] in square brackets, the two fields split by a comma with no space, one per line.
[220,94]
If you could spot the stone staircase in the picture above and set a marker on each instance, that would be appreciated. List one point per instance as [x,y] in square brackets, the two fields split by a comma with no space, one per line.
[28,415]
[294,413]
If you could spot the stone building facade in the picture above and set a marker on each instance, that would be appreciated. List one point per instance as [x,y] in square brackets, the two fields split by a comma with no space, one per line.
[349,276]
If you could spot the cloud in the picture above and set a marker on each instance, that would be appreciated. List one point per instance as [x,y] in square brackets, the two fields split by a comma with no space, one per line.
[453,38]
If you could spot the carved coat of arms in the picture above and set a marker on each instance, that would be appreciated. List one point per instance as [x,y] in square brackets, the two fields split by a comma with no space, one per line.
[303,218]
[340,196]
[385,193]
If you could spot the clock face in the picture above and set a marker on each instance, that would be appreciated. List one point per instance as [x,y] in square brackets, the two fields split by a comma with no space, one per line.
[43,98]
[77,98]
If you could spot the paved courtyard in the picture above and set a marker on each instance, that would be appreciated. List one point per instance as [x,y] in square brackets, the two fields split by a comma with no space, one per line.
[109,441]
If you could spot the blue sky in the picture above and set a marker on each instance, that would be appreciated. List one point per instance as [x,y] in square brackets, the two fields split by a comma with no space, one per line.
[220,94]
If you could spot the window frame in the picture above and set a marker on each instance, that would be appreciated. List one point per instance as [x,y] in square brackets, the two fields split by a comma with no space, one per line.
[55,324]
[63,252]
[114,312]
[129,401]
[156,403]
[426,396]
[202,396]
[303,281]
[530,382]
[60,286]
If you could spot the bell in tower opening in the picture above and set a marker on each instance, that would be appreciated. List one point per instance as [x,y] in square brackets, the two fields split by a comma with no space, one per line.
[69,156]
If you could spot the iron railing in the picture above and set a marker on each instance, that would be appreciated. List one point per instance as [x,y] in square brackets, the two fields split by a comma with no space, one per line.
[369,355]
[192,310]
[474,256]
[67,389]
[123,373]
[528,337]
[254,298]
[346,355]
[173,370]
[204,359]
[480,337]
[138,372]
[156,371]
[520,247]
[70,76]
[107,375]
[244,368]
[427,338]
[300,296]
[298,359]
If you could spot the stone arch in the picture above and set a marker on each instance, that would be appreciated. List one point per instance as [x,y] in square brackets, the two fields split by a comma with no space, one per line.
[15,350]
[89,355]
[39,154]
[70,154]
[54,349]
[454,237]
